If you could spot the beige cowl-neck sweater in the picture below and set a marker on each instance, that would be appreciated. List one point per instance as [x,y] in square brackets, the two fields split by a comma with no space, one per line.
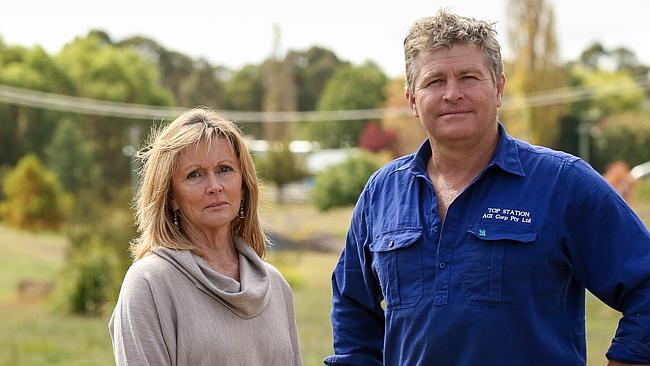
[174,309]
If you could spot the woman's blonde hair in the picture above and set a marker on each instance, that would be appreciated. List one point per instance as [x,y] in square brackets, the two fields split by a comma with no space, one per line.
[153,210]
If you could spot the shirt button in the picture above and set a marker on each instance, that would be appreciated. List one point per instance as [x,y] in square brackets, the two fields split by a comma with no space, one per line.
[443,265]
[391,244]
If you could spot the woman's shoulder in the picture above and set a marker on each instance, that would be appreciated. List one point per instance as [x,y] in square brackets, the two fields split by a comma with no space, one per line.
[276,276]
[148,268]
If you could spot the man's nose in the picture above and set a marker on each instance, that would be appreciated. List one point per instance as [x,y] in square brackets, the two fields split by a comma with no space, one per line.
[453,91]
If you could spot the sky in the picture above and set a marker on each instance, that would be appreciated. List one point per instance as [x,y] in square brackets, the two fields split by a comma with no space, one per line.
[233,33]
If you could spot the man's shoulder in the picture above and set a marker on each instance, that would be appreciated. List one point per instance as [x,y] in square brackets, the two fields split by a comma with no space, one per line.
[542,154]
[397,166]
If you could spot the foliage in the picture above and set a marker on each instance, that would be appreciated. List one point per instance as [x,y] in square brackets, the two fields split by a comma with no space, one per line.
[69,155]
[280,166]
[410,133]
[87,281]
[104,71]
[351,87]
[613,92]
[245,92]
[374,138]
[342,184]
[536,67]
[26,129]
[34,197]
[312,70]
[624,137]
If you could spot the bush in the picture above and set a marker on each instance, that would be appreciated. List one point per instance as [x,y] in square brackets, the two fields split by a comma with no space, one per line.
[34,197]
[342,184]
[623,137]
[87,282]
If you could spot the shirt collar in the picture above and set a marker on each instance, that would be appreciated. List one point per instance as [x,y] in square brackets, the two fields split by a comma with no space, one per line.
[506,156]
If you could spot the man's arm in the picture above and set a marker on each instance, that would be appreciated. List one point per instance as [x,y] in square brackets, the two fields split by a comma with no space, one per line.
[609,248]
[357,316]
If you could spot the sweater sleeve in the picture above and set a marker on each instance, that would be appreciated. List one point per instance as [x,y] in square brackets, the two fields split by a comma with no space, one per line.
[135,325]
[291,318]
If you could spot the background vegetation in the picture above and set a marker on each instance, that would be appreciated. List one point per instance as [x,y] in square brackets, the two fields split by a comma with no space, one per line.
[67,177]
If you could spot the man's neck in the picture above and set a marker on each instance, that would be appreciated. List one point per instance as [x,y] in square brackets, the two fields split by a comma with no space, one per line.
[450,159]
[452,167]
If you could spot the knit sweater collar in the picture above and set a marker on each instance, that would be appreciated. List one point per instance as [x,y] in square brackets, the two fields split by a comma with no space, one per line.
[247,298]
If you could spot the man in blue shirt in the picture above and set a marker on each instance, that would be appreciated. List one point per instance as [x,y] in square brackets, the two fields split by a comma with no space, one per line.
[477,249]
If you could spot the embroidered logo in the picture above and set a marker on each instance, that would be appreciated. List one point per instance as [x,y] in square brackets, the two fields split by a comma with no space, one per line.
[481,232]
[507,214]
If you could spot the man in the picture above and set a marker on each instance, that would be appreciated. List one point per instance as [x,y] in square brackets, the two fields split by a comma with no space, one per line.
[477,249]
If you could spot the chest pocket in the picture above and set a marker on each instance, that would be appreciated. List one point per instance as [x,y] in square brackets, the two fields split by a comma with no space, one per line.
[498,262]
[397,261]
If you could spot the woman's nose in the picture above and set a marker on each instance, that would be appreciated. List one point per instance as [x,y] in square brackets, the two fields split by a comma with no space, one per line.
[214,185]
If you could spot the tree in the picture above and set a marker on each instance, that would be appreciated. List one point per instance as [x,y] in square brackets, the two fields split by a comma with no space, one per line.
[69,155]
[312,69]
[342,184]
[410,133]
[280,166]
[35,199]
[29,129]
[245,92]
[107,72]
[624,136]
[279,91]
[193,82]
[351,87]
[374,138]
[536,66]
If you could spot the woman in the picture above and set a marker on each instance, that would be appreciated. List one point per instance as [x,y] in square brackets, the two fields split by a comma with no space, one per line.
[198,292]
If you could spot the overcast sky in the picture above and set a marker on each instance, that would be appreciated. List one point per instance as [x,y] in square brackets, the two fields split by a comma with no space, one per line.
[236,32]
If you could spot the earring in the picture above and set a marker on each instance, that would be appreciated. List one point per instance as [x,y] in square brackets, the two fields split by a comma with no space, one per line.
[177,219]
[242,214]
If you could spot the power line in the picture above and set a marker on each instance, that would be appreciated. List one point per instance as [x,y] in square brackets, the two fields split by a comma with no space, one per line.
[70,104]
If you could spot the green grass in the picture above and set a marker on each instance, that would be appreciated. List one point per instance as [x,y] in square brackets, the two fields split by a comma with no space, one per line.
[32,334]
[26,255]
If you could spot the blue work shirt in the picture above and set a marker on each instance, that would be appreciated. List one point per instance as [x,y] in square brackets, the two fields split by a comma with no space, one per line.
[502,280]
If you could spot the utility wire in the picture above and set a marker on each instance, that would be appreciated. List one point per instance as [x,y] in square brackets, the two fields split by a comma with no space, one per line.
[65,103]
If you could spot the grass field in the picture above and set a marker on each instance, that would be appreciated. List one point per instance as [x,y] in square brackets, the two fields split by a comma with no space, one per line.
[31,333]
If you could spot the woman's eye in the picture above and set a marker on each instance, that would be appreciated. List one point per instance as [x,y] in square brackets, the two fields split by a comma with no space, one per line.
[193,174]
[225,169]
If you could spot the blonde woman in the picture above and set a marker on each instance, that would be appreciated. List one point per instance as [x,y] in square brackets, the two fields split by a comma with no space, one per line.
[198,292]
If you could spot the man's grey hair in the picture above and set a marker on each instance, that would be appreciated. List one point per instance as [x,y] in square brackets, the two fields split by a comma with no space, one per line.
[446,30]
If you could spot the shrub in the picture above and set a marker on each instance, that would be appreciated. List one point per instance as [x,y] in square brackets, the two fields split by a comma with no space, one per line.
[623,137]
[87,281]
[341,185]
[34,197]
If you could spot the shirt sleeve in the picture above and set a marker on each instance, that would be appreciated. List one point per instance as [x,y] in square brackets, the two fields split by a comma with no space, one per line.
[135,325]
[357,316]
[609,248]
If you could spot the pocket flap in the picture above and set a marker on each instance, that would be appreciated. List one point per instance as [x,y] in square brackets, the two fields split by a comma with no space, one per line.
[395,239]
[491,233]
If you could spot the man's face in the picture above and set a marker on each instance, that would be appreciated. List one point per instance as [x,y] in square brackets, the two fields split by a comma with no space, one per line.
[454,96]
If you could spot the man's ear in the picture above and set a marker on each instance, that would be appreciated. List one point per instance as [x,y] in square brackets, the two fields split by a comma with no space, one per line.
[501,83]
[410,99]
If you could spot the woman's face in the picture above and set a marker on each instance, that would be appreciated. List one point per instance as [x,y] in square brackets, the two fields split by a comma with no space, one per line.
[207,186]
